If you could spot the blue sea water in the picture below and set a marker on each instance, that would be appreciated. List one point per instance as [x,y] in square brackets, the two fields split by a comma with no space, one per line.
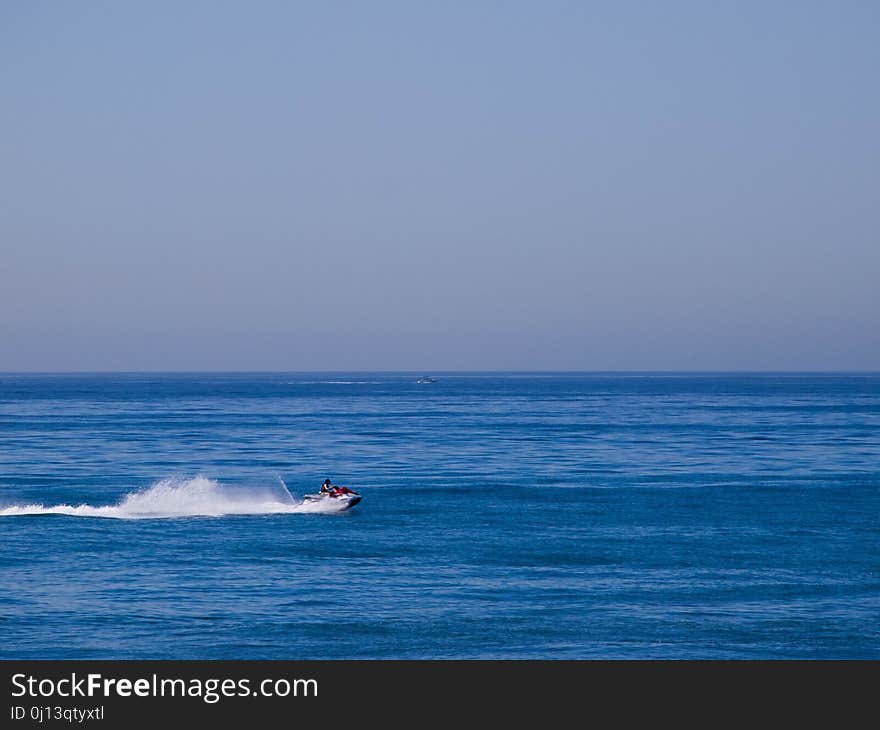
[519,516]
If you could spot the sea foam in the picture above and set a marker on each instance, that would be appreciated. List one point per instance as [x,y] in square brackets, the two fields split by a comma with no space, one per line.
[197,497]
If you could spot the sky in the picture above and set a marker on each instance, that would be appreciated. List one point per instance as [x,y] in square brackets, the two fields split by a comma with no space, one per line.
[434,186]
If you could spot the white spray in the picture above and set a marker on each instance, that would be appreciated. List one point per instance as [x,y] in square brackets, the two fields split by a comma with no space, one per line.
[284,486]
[198,497]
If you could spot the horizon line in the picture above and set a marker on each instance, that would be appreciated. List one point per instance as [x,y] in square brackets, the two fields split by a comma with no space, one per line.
[446,372]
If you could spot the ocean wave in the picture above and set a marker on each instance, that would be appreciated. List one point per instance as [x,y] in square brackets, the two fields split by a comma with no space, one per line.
[334,382]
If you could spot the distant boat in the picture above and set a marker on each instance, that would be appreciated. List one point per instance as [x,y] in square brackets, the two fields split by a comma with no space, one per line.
[426,379]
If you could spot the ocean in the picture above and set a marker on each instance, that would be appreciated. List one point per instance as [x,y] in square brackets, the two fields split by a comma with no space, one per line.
[504,515]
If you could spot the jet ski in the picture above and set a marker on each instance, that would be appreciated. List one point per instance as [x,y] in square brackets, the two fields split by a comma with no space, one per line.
[341,497]
[426,379]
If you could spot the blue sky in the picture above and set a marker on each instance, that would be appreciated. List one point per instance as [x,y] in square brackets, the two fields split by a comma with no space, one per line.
[429,186]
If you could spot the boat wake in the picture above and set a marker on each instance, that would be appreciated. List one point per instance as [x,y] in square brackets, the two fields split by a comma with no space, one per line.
[198,497]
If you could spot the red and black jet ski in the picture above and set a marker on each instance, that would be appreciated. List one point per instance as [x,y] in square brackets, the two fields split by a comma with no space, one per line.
[342,497]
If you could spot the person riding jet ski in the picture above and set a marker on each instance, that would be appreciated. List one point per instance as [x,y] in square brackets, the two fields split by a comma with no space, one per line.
[333,491]
[343,497]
